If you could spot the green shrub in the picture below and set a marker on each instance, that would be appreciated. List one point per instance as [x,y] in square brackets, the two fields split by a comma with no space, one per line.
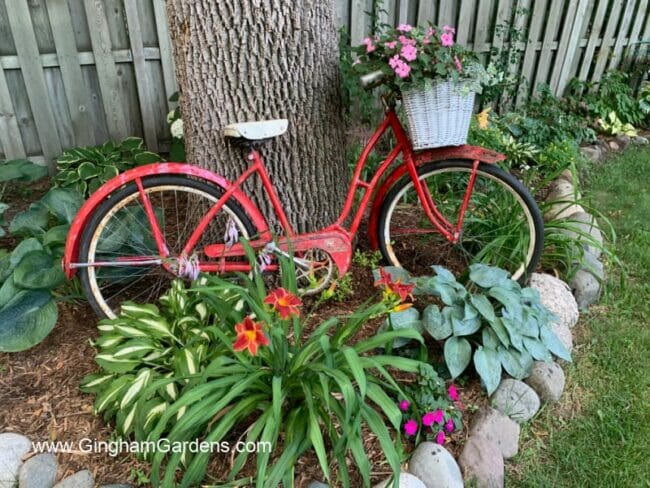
[492,320]
[86,169]
[173,372]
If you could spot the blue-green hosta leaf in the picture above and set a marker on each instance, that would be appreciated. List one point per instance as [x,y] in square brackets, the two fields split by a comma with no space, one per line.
[32,221]
[406,319]
[512,363]
[490,339]
[6,269]
[435,324]
[8,290]
[529,325]
[22,170]
[444,274]
[500,331]
[487,276]
[537,349]
[514,333]
[458,354]
[56,235]
[465,327]
[509,299]
[26,320]
[38,270]
[28,245]
[554,344]
[488,366]
[483,305]
[64,203]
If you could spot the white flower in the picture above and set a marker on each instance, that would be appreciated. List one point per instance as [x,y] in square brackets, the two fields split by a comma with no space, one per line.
[170,116]
[177,129]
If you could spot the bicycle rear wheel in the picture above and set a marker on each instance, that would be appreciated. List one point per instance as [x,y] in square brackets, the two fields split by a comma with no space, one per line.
[119,232]
[502,225]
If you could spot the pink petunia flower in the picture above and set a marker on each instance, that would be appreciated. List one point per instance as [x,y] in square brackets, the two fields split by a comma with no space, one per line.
[446,28]
[391,44]
[459,67]
[410,53]
[428,419]
[440,438]
[438,416]
[403,70]
[447,39]
[370,47]
[411,427]
[449,426]
[394,62]
[404,405]
[405,41]
[405,28]
[453,393]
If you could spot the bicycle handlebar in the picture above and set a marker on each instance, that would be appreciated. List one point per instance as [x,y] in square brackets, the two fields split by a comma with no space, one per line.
[371,80]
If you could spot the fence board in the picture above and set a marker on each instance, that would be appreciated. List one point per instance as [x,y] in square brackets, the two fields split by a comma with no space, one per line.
[482,31]
[403,12]
[607,40]
[386,12]
[465,21]
[68,59]
[426,11]
[567,47]
[546,54]
[22,31]
[137,48]
[594,37]
[358,21]
[644,48]
[642,11]
[527,85]
[446,13]
[12,143]
[106,69]
[623,30]
[520,20]
[166,57]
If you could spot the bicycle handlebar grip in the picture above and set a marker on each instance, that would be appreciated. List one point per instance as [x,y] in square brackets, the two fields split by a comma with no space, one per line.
[372,79]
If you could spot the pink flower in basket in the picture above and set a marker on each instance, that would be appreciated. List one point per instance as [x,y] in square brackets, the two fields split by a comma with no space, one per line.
[406,41]
[401,68]
[391,44]
[447,39]
[459,66]
[410,53]
[370,47]
[405,28]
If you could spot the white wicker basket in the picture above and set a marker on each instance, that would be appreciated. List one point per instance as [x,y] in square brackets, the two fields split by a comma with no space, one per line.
[438,114]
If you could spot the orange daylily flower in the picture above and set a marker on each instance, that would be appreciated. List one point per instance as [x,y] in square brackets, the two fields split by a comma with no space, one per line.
[249,336]
[284,302]
[402,290]
[483,118]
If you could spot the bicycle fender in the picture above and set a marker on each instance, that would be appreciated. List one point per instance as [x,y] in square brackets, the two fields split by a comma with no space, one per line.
[88,208]
[420,158]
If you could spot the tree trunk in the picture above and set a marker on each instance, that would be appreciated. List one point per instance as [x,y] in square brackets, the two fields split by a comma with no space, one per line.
[241,60]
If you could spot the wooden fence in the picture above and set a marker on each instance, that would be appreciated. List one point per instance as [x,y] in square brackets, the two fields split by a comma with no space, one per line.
[80,72]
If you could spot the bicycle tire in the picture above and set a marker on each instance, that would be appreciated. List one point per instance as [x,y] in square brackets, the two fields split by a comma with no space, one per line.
[447,181]
[116,201]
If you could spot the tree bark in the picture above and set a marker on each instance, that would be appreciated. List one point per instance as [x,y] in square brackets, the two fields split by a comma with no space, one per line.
[241,60]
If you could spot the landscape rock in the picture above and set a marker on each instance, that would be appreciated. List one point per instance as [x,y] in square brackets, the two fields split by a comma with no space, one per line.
[593,265]
[516,399]
[623,141]
[116,485]
[406,480]
[586,288]
[12,448]
[639,140]
[564,334]
[613,145]
[38,472]
[556,296]
[547,379]
[582,225]
[593,153]
[482,463]
[317,484]
[498,428]
[81,479]
[563,192]
[435,466]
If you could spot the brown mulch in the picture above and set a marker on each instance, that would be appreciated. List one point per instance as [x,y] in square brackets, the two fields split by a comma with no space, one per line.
[40,397]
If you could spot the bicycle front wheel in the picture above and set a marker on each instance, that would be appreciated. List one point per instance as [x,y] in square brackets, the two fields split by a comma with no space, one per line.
[118,248]
[502,225]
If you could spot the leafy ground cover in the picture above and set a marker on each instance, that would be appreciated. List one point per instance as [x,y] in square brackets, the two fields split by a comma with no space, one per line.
[599,434]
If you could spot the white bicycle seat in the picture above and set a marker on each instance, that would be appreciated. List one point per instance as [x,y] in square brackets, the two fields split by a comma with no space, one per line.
[258,130]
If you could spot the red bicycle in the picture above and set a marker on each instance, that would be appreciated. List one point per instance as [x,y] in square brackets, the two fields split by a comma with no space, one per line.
[451,206]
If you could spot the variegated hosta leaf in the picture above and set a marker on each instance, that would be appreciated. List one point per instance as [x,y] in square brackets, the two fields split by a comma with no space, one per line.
[108,341]
[130,331]
[142,379]
[136,310]
[111,395]
[135,348]
[157,327]
[94,383]
[115,365]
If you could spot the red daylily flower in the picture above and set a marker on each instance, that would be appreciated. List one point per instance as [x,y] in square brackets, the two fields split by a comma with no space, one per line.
[249,336]
[284,302]
[403,290]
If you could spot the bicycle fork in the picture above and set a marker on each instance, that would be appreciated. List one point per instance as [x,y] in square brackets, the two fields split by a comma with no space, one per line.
[451,232]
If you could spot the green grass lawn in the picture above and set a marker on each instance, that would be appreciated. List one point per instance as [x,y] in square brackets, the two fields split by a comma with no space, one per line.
[599,433]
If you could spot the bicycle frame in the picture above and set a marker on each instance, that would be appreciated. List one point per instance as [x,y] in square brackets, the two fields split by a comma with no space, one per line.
[336,239]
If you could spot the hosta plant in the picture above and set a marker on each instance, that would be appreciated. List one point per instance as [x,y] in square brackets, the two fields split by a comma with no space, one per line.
[491,321]
[86,169]
[220,359]
[16,171]
[30,274]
